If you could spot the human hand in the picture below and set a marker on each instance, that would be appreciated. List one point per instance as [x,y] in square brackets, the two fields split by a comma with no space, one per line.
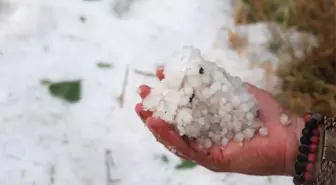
[271,155]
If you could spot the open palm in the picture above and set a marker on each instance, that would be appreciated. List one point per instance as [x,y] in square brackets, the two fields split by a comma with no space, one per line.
[271,155]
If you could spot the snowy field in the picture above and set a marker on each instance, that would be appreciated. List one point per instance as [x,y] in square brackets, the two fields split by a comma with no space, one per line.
[98,140]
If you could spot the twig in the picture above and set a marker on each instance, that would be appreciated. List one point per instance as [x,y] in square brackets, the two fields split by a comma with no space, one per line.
[52,174]
[121,98]
[109,163]
[144,73]
[102,64]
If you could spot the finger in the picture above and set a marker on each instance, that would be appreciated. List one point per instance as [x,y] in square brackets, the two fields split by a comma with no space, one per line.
[259,93]
[208,158]
[270,109]
[166,135]
[143,114]
[197,147]
[159,73]
[217,155]
[143,91]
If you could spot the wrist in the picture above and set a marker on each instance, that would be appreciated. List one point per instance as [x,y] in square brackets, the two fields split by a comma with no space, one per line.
[293,144]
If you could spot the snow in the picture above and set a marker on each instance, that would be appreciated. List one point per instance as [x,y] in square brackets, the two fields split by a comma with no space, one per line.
[47,141]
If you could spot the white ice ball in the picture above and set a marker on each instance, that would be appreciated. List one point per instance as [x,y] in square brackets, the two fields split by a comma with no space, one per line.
[263,131]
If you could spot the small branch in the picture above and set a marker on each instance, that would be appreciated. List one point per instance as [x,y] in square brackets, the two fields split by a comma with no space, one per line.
[121,98]
[144,73]
[52,174]
[109,163]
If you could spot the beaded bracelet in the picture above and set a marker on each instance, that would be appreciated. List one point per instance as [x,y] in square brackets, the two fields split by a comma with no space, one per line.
[308,150]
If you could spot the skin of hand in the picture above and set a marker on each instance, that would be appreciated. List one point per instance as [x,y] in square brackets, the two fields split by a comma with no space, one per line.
[274,154]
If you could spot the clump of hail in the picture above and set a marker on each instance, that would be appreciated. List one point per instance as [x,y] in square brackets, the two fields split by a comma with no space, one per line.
[203,102]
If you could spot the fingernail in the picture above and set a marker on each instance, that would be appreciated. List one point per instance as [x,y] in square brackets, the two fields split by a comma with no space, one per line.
[159,72]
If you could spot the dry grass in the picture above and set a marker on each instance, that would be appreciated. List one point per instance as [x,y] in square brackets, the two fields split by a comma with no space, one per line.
[251,11]
[308,84]
[237,42]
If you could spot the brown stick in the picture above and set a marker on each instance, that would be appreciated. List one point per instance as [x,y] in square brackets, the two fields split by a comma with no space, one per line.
[121,98]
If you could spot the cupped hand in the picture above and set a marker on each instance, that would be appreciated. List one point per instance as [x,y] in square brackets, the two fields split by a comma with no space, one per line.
[271,155]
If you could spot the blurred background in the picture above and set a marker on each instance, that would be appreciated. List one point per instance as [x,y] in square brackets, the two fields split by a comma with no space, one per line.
[69,72]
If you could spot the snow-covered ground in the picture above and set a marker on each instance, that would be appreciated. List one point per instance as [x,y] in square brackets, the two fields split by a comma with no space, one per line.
[46,141]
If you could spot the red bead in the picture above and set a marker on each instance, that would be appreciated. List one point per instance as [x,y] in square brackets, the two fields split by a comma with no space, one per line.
[309,167]
[307,116]
[311,157]
[308,177]
[313,148]
[315,139]
[316,132]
